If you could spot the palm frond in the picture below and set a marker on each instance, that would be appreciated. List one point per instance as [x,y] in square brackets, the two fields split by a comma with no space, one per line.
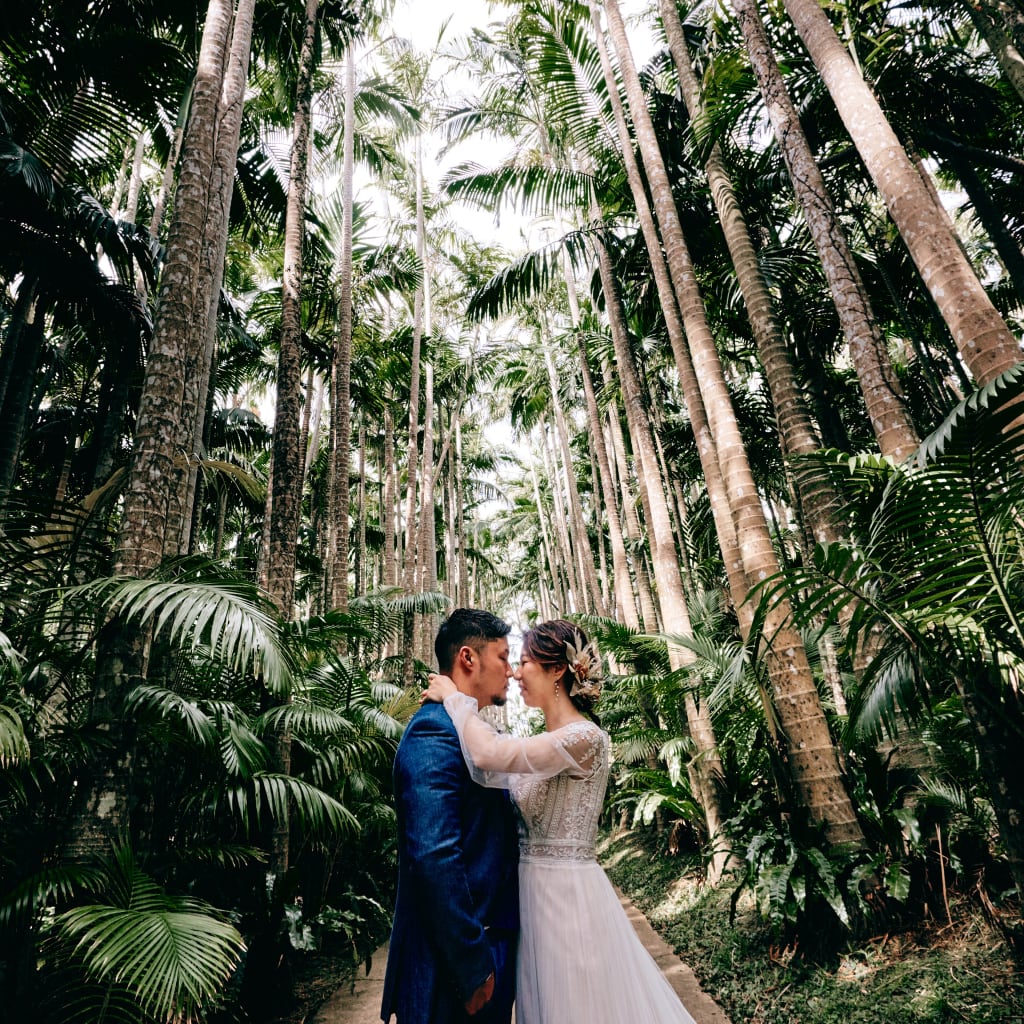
[227,616]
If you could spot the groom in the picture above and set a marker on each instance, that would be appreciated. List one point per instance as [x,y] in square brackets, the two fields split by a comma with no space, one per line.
[453,944]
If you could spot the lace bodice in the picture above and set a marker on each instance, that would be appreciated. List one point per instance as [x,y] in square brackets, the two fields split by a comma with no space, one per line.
[558,815]
[557,779]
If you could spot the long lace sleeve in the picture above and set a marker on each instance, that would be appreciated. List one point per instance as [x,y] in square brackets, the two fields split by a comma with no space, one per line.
[494,758]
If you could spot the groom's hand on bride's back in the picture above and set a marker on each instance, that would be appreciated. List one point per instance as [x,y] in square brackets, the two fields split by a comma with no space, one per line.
[481,997]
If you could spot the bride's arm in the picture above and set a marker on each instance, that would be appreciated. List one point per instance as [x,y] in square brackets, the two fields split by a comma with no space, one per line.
[494,757]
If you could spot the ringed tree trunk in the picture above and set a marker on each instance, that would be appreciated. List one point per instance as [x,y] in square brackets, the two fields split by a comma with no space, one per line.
[883,395]
[1001,24]
[983,339]
[813,760]
[623,590]
[590,594]
[411,556]
[341,420]
[705,771]
[720,508]
[222,183]
[427,544]
[154,496]
[572,567]
[631,522]
[288,473]
[387,513]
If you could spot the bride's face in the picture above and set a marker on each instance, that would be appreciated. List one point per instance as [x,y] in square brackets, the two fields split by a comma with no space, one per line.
[536,682]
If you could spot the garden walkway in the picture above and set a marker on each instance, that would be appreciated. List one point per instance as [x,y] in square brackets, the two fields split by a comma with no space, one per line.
[361,1004]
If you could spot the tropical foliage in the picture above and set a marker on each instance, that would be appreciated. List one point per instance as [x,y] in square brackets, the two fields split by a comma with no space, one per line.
[742,397]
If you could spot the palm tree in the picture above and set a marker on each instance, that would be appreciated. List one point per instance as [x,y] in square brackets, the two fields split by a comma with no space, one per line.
[882,393]
[984,341]
[813,758]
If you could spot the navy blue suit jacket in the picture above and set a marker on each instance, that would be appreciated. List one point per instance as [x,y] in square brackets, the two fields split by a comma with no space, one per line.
[457,909]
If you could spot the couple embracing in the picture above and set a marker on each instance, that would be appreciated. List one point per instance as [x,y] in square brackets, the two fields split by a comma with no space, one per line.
[500,898]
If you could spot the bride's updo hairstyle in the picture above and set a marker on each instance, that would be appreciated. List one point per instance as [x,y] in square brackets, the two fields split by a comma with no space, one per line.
[562,644]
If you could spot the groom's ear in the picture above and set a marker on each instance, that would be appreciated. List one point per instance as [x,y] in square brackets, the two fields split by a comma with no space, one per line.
[467,655]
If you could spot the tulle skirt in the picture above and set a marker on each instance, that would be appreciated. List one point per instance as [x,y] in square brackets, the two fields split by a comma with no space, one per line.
[580,961]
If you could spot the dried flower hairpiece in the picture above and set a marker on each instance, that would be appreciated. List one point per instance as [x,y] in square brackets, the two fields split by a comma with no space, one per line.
[585,668]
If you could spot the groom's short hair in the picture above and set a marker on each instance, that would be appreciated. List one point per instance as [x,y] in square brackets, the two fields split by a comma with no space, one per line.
[466,627]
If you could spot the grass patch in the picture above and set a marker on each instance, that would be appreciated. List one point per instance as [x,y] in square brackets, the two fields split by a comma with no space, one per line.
[924,975]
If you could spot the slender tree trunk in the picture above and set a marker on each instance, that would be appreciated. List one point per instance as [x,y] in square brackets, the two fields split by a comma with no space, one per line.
[176,349]
[631,526]
[427,538]
[590,595]
[388,506]
[167,178]
[883,395]
[547,546]
[131,206]
[813,759]
[286,481]
[623,596]
[695,403]
[287,477]
[572,565]
[360,566]
[228,126]
[813,492]
[342,417]
[23,349]
[412,457]
[460,516]
[1001,24]
[986,344]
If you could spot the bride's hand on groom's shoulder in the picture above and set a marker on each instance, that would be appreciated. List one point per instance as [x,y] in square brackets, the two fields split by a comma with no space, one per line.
[438,687]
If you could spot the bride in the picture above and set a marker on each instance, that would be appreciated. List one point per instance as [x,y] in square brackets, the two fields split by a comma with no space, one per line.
[580,961]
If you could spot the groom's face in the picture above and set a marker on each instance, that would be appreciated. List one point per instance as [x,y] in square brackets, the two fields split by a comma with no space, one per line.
[493,673]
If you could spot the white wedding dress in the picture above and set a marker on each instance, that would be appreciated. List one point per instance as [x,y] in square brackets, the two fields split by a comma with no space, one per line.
[580,961]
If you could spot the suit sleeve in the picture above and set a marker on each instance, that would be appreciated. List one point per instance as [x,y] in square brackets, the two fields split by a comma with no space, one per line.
[432,782]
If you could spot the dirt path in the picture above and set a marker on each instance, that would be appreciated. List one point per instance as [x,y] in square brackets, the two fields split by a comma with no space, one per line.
[361,1005]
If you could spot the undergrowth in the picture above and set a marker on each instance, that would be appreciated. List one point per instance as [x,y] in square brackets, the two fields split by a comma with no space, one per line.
[928,973]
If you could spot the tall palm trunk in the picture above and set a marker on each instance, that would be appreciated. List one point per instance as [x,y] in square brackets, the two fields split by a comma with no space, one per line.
[154,494]
[547,546]
[360,559]
[167,178]
[1001,24]
[631,523]
[572,570]
[813,759]
[459,483]
[623,590]
[706,770]
[222,183]
[22,351]
[815,496]
[427,536]
[286,481]
[720,506]
[590,594]
[412,456]
[341,420]
[986,344]
[883,395]
[387,512]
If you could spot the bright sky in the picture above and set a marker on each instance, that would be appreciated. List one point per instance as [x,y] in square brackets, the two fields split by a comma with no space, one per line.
[423,22]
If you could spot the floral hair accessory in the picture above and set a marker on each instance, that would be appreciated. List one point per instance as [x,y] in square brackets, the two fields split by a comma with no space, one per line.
[585,668]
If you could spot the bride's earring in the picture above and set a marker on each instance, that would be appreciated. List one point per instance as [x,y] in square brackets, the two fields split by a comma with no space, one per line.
[558,691]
